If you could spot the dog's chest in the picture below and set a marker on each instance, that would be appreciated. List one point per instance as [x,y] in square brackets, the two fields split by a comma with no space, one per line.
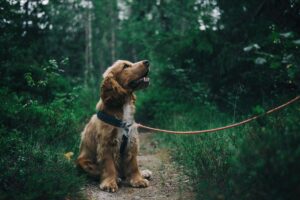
[128,116]
[128,113]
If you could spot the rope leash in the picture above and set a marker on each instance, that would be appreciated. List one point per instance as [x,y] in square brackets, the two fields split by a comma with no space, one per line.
[223,127]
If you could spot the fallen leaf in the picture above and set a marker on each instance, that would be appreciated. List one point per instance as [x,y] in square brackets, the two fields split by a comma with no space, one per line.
[69,155]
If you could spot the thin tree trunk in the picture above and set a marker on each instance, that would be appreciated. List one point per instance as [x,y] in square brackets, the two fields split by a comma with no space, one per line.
[101,63]
[134,54]
[113,33]
[89,78]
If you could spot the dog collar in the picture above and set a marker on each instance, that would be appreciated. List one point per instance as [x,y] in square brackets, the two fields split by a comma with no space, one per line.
[117,123]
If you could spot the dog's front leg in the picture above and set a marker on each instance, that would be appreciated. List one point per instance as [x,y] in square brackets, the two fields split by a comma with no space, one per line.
[133,173]
[109,174]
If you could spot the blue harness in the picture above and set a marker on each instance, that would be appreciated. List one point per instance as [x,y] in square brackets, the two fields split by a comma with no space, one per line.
[117,123]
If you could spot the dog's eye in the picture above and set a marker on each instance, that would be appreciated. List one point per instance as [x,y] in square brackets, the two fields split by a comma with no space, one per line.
[125,66]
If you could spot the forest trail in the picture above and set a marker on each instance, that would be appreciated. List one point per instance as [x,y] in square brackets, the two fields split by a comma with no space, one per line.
[167,181]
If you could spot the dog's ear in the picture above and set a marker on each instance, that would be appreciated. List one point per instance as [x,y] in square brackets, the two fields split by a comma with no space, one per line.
[112,93]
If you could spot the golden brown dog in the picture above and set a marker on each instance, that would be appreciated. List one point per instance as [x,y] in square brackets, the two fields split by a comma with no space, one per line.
[100,141]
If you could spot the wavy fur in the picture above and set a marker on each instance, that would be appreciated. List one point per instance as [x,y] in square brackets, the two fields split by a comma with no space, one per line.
[100,142]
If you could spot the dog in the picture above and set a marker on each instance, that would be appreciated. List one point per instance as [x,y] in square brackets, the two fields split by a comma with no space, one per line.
[100,154]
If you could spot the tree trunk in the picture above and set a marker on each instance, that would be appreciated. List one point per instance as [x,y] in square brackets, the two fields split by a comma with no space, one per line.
[113,30]
[88,74]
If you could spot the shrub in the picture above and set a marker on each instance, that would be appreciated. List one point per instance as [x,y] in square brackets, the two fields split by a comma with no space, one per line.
[267,163]
[34,138]
[36,131]
[33,171]
[256,161]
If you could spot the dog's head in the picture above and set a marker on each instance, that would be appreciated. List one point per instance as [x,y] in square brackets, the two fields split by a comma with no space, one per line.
[122,79]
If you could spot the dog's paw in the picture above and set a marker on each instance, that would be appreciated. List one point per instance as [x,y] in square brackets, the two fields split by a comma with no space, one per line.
[109,185]
[147,174]
[141,182]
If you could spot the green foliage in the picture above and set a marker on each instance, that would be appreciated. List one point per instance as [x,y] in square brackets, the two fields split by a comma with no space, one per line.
[258,110]
[237,64]
[34,170]
[36,131]
[279,53]
[201,53]
[251,162]
[265,167]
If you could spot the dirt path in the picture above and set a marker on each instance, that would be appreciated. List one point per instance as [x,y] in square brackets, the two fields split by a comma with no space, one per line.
[167,183]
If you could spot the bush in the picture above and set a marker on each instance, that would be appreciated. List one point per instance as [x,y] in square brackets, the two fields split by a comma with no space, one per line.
[33,171]
[36,131]
[34,138]
[267,165]
[256,161]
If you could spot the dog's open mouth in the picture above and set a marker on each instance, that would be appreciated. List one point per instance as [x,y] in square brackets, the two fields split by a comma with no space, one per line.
[141,82]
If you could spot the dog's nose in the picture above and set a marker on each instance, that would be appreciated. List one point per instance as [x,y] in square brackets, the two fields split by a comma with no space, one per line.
[146,63]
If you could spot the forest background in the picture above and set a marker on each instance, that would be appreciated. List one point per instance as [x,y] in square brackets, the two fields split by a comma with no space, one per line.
[213,62]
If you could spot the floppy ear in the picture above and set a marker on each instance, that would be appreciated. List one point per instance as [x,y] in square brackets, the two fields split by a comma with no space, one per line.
[112,93]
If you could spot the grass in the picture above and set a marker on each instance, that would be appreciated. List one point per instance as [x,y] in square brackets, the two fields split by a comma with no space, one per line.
[34,138]
[256,161]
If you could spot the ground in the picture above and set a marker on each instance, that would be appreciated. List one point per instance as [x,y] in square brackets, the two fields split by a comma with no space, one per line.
[168,181]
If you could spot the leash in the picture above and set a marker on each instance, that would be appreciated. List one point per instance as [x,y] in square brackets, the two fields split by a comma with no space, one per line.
[223,127]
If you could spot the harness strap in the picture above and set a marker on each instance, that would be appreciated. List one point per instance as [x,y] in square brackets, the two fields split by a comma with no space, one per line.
[123,145]
[117,123]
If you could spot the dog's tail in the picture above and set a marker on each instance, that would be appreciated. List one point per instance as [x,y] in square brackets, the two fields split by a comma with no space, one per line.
[88,166]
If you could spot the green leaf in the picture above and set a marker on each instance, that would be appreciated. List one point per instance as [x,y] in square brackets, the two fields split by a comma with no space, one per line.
[258,110]
[275,65]
[29,79]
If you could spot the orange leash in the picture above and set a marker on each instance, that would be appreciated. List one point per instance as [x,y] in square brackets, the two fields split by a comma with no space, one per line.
[223,127]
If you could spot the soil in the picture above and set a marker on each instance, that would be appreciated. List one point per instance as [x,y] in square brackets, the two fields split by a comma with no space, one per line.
[168,182]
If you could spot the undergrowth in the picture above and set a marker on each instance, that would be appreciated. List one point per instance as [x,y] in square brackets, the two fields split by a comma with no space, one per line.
[37,130]
[255,161]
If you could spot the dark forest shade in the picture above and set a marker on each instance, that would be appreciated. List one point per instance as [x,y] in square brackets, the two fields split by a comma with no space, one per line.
[212,62]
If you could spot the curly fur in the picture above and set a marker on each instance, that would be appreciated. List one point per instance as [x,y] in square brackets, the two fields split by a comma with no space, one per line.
[100,142]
